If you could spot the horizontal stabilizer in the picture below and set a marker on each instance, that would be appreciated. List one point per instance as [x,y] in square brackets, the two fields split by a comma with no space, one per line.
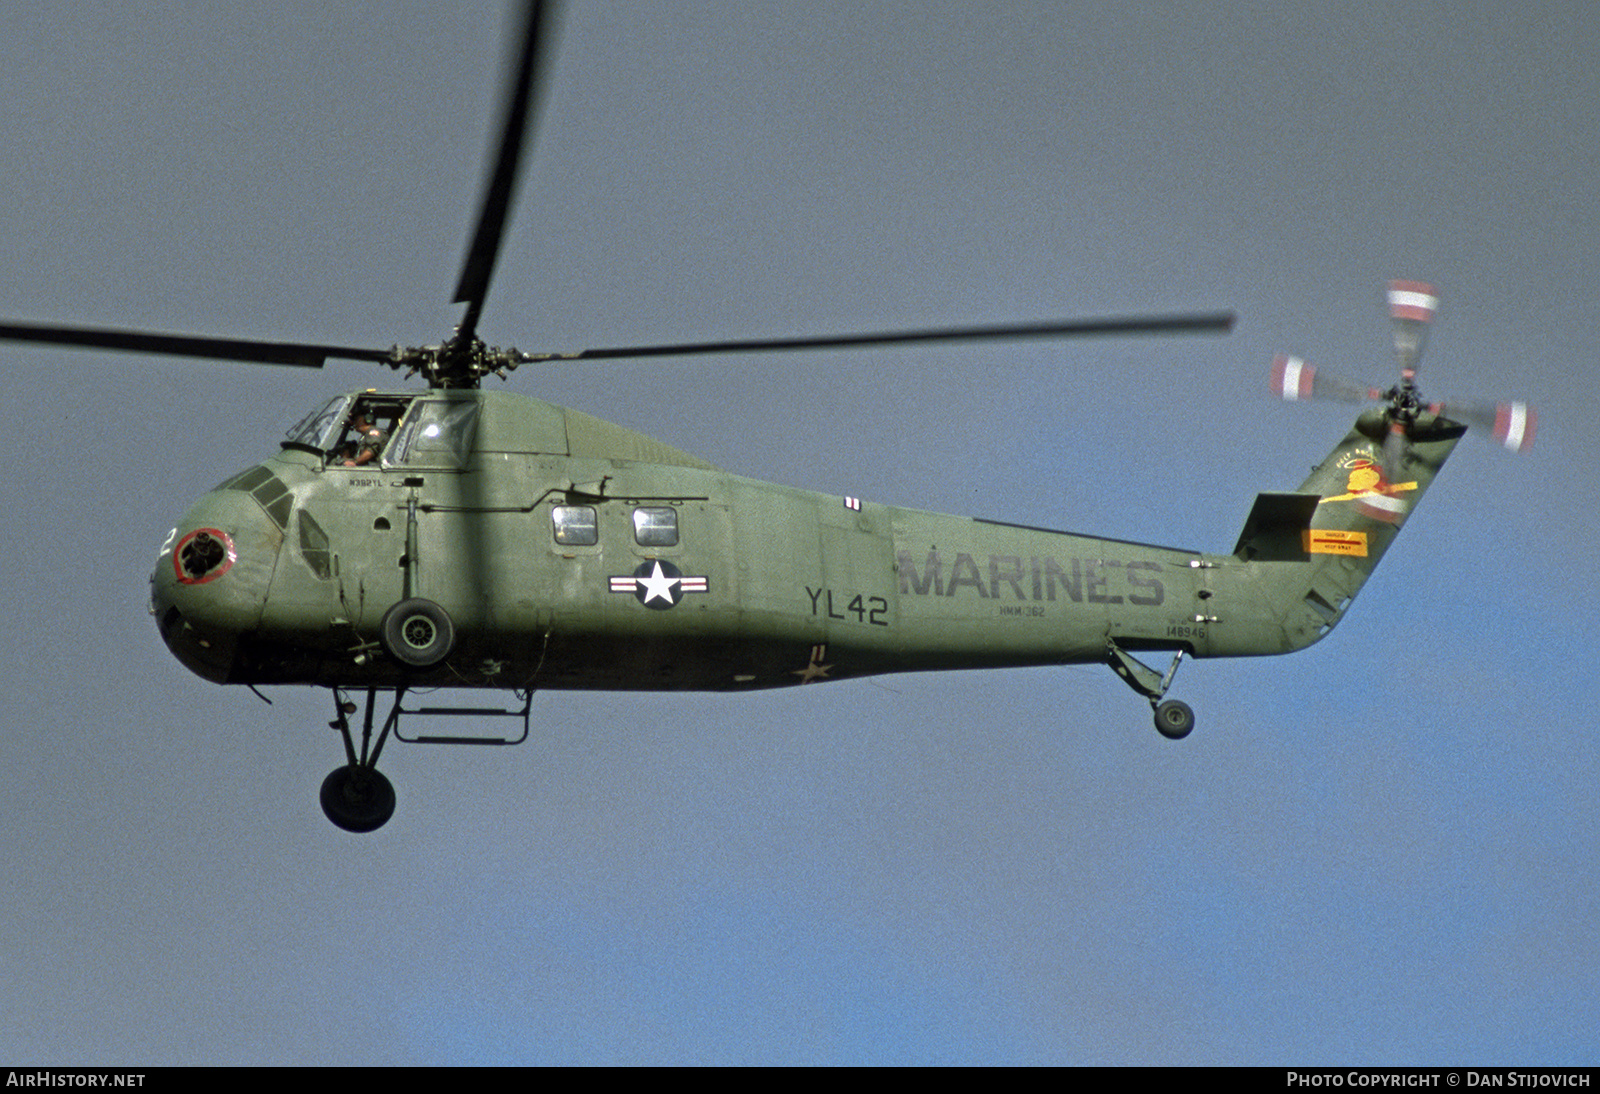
[1276,528]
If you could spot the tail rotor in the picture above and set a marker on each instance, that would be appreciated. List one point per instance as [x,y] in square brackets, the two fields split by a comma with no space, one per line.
[1412,306]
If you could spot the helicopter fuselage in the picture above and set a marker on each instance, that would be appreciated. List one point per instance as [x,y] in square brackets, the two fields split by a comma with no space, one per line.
[571,553]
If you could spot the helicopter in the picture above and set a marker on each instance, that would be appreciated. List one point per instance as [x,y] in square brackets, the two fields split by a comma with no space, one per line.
[449,536]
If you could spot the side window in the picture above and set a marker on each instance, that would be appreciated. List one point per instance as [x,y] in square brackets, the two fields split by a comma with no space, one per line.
[575,525]
[437,433]
[655,526]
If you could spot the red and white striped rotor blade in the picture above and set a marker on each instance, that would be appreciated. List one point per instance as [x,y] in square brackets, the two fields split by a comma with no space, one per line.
[1513,424]
[1412,305]
[1384,507]
[1415,301]
[1292,378]
[1384,503]
[1296,379]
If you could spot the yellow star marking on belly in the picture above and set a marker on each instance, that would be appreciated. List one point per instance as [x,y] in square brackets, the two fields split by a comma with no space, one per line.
[815,670]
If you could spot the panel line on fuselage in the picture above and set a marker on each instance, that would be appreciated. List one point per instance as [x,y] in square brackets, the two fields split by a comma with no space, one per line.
[1080,535]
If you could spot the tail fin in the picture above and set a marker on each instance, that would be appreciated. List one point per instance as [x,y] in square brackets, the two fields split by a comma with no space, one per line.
[1305,555]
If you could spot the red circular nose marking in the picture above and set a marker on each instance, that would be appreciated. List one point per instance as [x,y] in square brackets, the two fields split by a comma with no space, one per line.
[203,555]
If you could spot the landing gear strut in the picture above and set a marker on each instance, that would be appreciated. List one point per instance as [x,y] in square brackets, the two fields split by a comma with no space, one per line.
[357,797]
[1174,719]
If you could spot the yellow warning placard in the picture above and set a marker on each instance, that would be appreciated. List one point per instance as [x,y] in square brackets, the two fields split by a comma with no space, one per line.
[1334,541]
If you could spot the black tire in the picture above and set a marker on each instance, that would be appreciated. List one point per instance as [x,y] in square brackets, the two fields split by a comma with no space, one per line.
[1174,720]
[417,633]
[357,799]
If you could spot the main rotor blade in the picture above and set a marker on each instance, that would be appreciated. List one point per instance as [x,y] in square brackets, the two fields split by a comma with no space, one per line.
[1216,323]
[301,354]
[520,104]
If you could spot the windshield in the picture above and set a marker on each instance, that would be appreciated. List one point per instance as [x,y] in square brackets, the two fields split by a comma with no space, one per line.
[320,429]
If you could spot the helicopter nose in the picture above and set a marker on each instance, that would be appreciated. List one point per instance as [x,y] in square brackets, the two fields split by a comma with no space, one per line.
[211,580]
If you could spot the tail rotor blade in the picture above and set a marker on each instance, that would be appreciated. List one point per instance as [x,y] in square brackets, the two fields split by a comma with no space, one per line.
[1512,423]
[1295,379]
[1412,305]
[1394,450]
[1515,425]
[1384,507]
[1384,502]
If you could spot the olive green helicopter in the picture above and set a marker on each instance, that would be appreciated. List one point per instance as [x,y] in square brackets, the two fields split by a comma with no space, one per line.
[452,537]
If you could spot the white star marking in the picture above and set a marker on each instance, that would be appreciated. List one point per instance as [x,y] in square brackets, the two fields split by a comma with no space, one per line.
[657,585]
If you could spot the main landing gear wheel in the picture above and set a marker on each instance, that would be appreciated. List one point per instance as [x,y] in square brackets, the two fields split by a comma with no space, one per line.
[357,799]
[1174,719]
[417,633]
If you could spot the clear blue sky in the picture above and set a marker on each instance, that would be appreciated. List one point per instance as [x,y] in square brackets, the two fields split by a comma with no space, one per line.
[1380,850]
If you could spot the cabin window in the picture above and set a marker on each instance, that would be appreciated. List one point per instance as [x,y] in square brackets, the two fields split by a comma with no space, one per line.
[575,525]
[655,526]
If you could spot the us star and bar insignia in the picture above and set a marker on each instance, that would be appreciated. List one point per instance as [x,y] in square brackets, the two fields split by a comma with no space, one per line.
[658,584]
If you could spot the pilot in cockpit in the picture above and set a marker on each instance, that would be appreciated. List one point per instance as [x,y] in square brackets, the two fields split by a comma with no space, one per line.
[365,444]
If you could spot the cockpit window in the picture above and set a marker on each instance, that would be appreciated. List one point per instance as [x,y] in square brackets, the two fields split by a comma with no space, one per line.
[320,429]
[349,430]
[437,433]
[367,431]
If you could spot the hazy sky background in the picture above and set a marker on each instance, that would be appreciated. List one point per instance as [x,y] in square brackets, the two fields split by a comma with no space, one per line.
[1381,850]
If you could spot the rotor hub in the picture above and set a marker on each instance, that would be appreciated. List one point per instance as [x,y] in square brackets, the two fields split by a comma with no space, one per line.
[458,363]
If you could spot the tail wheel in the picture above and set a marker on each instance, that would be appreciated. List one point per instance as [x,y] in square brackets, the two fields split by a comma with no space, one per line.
[1174,720]
[357,799]
[417,633]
